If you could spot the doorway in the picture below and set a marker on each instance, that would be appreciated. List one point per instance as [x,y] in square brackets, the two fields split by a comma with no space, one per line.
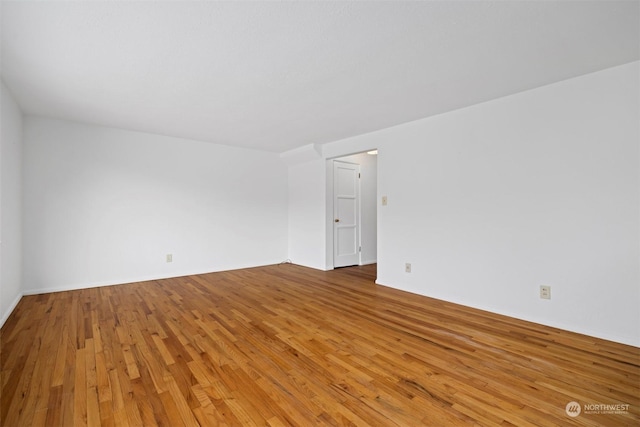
[352,183]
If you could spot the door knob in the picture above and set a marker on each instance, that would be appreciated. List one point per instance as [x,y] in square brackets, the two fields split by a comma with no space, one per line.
[336,220]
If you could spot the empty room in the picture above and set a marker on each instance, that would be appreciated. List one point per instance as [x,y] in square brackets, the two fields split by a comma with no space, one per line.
[301,213]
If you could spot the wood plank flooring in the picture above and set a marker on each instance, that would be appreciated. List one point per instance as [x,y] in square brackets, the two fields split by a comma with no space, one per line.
[285,345]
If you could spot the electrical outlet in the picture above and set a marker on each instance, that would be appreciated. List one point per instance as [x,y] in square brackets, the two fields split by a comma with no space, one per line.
[169,257]
[384,200]
[545,292]
[407,268]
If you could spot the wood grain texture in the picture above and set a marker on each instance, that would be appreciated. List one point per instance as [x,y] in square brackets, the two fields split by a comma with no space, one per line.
[286,345]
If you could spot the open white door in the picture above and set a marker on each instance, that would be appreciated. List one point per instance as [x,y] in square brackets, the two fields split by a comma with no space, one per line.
[346,214]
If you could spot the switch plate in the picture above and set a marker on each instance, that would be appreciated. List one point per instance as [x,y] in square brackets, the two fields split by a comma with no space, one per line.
[169,257]
[545,292]
[407,267]
[384,200]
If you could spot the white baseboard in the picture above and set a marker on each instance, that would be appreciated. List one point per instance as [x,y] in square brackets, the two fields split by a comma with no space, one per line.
[12,307]
[136,279]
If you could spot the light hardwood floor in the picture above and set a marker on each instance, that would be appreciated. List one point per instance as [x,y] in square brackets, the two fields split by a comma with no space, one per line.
[287,345]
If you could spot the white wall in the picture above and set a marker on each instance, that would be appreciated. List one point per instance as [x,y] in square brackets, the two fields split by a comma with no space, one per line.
[492,201]
[105,206]
[307,217]
[368,208]
[10,204]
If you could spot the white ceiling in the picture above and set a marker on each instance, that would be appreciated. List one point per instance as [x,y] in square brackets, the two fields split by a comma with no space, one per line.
[279,75]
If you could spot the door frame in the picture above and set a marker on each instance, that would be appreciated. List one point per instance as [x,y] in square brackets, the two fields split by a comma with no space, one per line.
[328,214]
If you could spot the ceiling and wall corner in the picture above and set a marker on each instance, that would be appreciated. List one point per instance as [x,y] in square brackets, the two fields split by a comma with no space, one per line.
[276,76]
